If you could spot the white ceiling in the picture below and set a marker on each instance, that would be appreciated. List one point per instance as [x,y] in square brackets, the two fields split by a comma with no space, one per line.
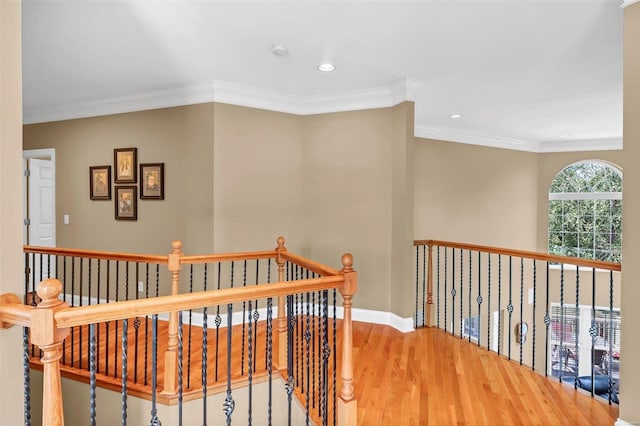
[522,73]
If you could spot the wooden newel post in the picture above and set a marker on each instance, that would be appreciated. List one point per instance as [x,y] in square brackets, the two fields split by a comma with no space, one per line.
[171,355]
[429,310]
[281,333]
[347,405]
[49,338]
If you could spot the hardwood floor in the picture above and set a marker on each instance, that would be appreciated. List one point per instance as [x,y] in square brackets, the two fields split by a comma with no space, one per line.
[425,377]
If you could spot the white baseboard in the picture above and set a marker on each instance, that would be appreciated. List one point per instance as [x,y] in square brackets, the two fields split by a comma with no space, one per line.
[621,422]
[404,325]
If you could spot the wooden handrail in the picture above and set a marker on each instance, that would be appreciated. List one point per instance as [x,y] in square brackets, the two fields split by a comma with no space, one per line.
[212,258]
[309,264]
[82,315]
[14,312]
[94,254]
[598,264]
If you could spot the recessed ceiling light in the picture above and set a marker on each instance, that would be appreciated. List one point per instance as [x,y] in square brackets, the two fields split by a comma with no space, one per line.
[279,50]
[327,67]
[455,116]
[564,135]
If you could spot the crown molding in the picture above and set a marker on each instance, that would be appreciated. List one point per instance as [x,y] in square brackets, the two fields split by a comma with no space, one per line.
[628,3]
[235,94]
[607,144]
[422,131]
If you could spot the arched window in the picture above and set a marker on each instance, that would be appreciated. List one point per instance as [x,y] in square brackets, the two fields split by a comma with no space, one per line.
[585,212]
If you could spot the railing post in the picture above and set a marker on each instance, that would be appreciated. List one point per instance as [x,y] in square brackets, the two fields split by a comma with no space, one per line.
[171,355]
[281,335]
[347,405]
[429,306]
[47,337]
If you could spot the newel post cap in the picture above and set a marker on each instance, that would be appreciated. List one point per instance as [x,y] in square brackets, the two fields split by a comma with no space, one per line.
[49,290]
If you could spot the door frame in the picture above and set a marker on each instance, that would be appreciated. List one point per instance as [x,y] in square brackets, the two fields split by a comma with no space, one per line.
[49,154]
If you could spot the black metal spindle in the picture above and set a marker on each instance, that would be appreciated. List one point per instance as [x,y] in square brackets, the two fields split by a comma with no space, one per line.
[269,354]
[124,378]
[107,324]
[547,323]
[313,349]
[593,330]
[610,369]
[445,289]
[438,287]
[73,297]
[424,285]
[229,403]
[26,375]
[289,385]
[92,374]
[180,367]
[510,305]
[453,292]
[205,345]
[561,352]
[415,317]
[535,296]
[478,299]
[250,363]
[244,314]
[308,342]
[256,315]
[115,352]
[190,329]
[295,330]
[266,350]
[326,352]
[98,282]
[577,327]
[499,303]
[521,343]
[217,321]
[136,327]
[80,304]
[488,301]
[154,372]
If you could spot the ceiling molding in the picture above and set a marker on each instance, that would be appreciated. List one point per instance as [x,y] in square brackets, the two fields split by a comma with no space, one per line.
[628,3]
[231,93]
[422,131]
[607,144]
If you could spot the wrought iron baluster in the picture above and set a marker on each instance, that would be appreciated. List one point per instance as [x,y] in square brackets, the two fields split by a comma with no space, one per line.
[593,330]
[424,285]
[499,303]
[547,323]
[610,369]
[205,345]
[73,297]
[415,317]
[521,343]
[107,324]
[289,385]
[326,352]
[229,404]
[124,377]
[244,314]
[438,287]
[80,304]
[314,320]
[297,356]
[488,301]
[115,352]
[256,316]
[479,298]
[453,292]
[218,322]
[308,342]
[335,362]
[190,326]
[269,354]
[26,375]
[445,289]
[577,327]
[98,324]
[92,374]
[180,367]
[250,363]
[155,421]
[561,320]
[510,305]
[535,295]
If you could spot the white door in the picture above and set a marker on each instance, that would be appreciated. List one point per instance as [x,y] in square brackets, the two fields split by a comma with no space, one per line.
[39,212]
[41,224]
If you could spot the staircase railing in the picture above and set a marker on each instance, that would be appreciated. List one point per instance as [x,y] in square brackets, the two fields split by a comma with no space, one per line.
[231,282]
[558,315]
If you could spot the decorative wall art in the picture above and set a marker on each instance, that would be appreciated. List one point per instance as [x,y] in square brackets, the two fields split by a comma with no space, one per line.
[100,182]
[125,202]
[124,161]
[152,181]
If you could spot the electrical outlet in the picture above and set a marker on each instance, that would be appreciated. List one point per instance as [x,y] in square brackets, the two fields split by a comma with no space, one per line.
[140,286]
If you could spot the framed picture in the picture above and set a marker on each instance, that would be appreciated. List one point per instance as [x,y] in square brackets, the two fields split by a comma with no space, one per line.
[124,162]
[100,182]
[125,203]
[152,181]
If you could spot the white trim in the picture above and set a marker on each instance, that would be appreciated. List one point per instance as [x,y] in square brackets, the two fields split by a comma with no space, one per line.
[235,94]
[607,144]
[422,131]
[404,325]
[621,422]
[628,3]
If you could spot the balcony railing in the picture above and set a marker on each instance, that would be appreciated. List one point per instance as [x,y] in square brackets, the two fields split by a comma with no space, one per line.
[99,317]
[557,315]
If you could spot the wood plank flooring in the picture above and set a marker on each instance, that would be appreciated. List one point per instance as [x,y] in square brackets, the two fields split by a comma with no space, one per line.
[425,377]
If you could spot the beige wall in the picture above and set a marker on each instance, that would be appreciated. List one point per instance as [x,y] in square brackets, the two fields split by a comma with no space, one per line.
[551,164]
[347,196]
[257,179]
[11,401]
[181,137]
[475,194]
[629,367]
